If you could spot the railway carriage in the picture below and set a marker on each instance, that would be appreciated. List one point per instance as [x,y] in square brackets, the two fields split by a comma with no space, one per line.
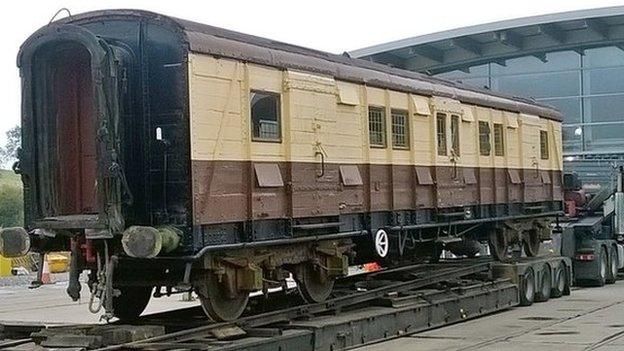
[169,154]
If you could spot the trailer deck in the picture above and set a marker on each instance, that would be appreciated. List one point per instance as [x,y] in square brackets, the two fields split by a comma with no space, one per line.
[367,309]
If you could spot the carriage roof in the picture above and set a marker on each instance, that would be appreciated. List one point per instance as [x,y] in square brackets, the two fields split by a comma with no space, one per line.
[225,43]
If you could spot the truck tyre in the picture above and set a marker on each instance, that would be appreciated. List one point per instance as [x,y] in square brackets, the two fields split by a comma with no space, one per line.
[613,266]
[603,268]
[527,287]
[567,286]
[542,294]
[559,281]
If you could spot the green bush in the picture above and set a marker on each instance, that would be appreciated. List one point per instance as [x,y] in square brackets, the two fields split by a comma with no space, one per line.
[11,205]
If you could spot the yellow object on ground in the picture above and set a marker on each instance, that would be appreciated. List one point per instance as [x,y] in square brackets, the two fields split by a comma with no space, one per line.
[5,266]
[58,263]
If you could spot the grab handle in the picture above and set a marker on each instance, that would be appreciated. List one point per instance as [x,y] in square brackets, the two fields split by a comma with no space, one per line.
[322,173]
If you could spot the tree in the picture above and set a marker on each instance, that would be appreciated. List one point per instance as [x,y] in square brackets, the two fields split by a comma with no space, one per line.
[11,205]
[8,153]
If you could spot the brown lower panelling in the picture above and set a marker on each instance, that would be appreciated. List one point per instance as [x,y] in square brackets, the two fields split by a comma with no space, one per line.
[236,191]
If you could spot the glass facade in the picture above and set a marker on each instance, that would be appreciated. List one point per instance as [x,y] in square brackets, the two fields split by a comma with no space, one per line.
[588,89]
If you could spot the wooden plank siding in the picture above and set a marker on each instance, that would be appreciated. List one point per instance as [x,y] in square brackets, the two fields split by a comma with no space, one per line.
[321,115]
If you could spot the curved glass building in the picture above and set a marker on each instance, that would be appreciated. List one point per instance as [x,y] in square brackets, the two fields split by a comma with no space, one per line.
[573,61]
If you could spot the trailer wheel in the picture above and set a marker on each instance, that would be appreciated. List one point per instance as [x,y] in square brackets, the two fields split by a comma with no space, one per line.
[559,281]
[567,275]
[527,287]
[613,266]
[543,293]
[604,267]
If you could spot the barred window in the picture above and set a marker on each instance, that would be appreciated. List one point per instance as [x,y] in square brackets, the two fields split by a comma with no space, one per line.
[544,145]
[377,126]
[265,116]
[455,135]
[400,129]
[484,138]
[499,140]
[441,134]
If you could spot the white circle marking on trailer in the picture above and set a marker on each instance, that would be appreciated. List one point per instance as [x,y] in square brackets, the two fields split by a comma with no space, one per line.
[382,243]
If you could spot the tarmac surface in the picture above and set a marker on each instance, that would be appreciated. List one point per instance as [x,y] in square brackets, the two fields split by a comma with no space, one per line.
[50,304]
[589,319]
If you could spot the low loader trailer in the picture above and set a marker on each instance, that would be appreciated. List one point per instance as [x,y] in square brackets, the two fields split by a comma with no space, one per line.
[367,308]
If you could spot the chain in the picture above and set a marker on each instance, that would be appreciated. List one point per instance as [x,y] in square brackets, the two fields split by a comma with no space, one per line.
[98,289]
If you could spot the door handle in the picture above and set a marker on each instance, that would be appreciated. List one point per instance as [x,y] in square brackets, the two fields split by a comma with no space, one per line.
[322,173]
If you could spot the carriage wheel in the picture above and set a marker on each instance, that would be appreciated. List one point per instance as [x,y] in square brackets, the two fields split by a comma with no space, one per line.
[218,304]
[313,284]
[531,243]
[131,302]
[498,244]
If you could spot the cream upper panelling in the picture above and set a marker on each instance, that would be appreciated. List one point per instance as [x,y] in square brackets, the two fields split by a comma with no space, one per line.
[320,114]
[215,108]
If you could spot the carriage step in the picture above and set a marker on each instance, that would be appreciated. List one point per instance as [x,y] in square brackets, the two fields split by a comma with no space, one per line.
[537,208]
[313,226]
[452,214]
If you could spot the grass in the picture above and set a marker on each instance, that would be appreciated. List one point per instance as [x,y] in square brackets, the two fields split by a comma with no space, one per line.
[8,177]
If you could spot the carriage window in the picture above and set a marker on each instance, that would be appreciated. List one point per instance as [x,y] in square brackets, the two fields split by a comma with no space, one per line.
[377,126]
[499,141]
[455,135]
[441,133]
[544,145]
[265,116]
[484,138]
[400,129]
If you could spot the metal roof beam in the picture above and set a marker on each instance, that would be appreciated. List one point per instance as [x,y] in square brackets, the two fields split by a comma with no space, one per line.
[553,32]
[620,46]
[428,52]
[388,59]
[501,62]
[597,26]
[510,38]
[541,56]
[468,44]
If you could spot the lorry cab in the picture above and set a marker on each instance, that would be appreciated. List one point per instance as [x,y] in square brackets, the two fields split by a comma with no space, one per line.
[591,228]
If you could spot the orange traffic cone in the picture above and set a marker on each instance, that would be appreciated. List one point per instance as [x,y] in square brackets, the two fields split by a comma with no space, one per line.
[372,267]
[45,274]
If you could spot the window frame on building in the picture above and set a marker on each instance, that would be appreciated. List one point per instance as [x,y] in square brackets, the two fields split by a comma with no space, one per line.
[396,127]
[382,124]
[256,135]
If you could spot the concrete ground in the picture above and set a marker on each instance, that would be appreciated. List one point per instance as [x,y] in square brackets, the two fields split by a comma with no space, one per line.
[588,319]
[50,304]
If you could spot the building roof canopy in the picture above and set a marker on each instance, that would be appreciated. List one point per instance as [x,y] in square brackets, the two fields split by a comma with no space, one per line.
[499,41]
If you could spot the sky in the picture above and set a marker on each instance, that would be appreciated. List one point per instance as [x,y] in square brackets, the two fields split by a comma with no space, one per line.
[330,25]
